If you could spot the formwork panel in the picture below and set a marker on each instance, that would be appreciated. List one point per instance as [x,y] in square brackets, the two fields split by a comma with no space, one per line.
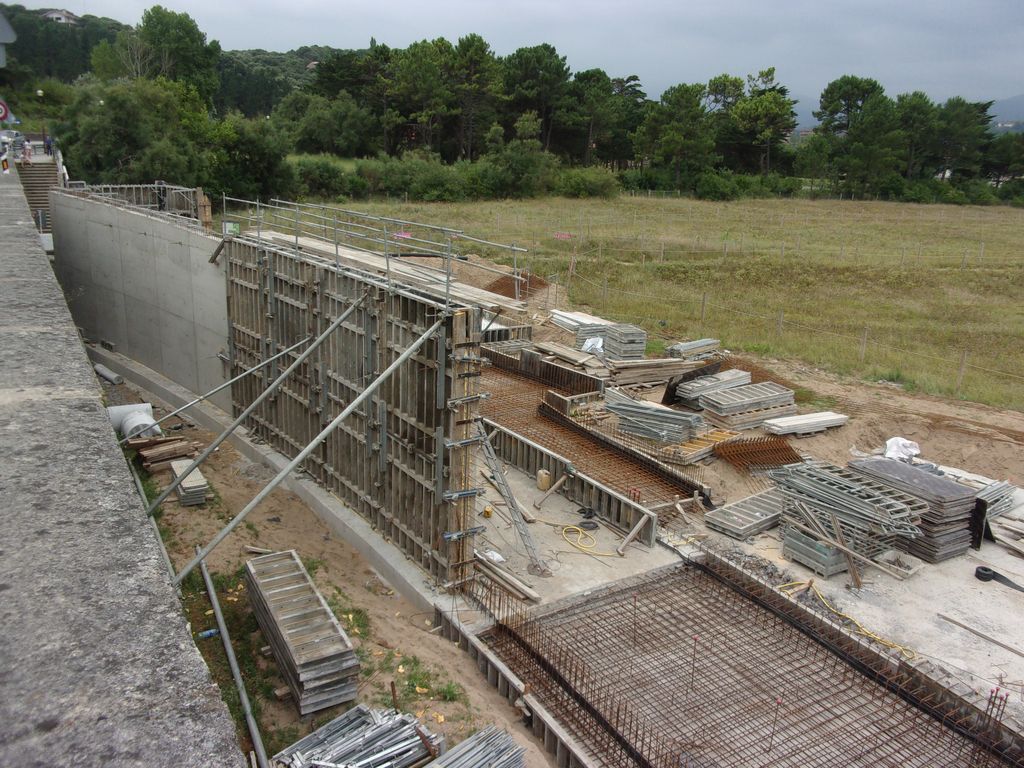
[392,460]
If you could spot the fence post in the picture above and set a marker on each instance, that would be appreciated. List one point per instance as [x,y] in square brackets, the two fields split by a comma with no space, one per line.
[605,300]
[960,374]
[703,308]
[864,344]
[778,324]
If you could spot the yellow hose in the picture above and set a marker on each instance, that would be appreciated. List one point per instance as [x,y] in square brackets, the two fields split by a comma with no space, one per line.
[788,589]
[584,542]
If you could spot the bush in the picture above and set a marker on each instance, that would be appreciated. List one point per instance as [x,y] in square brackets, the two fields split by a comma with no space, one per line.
[979,192]
[586,182]
[717,186]
[319,176]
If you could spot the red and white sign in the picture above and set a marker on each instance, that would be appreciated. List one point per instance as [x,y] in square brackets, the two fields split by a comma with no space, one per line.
[5,111]
[563,235]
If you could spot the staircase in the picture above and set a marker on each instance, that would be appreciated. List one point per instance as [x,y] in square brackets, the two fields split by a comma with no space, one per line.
[36,179]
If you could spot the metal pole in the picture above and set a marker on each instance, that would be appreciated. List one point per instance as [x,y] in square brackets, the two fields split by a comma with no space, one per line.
[304,454]
[252,406]
[250,720]
[218,388]
[152,522]
[448,276]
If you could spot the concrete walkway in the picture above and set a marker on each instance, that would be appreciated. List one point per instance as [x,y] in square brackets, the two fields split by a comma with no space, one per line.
[97,664]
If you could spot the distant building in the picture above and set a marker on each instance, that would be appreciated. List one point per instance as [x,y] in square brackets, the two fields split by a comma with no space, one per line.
[62,17]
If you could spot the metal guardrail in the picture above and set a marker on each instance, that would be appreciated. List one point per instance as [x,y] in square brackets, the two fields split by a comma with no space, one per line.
[168,201]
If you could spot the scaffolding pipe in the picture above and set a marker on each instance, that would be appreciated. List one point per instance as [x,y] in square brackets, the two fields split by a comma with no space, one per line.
[152,521]
[250,720]
[218,388]
[305,452]
[254,405]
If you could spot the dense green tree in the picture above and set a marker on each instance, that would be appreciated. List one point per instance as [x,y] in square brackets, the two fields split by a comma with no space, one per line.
[249,88]
[1004,160]
[476,75]
[872,146]
[917,116]
[842,100]
[421,86]
[537,80]
[180,49]
[630,103]
[813,160]
[593,114]
[765,115]
[963,137]
[676,134]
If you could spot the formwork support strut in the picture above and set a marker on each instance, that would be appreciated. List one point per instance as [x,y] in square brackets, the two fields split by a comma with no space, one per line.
[305,452]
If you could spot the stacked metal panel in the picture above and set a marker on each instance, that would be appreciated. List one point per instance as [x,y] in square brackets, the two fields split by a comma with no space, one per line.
[945,524]
[871,517]
[691,349]
[369,738]
[625,342]
[584,326]
[805,423]
[689,392]
[748,406]
[822,559]
[652,420]
[747,517]
[313,652]
[489,748]
[193,489]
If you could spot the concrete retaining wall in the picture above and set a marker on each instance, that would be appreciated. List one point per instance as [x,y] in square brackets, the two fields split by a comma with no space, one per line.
[144,286]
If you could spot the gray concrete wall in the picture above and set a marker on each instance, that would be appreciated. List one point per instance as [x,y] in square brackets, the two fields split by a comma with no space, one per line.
[146,286]
[97,663]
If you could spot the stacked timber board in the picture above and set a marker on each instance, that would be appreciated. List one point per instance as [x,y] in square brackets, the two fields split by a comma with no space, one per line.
[697,449]
[945,525]
[689,392]
[648,371]
[192,490]
[312,651]
[689,350]
[625,342]
[805,424]
[748,406]
[652,420]
[747,517]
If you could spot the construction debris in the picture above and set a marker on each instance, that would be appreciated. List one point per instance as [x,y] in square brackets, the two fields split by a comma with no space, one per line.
[756,452]
[805,423]
[313,653]
[369,738]
[193,489]
[625,342]
[747,517]
[489,748]
[822,559]
[748,406]
[945,523]
[689,392]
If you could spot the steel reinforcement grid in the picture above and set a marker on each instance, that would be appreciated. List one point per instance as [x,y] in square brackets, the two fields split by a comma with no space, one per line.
[682,668]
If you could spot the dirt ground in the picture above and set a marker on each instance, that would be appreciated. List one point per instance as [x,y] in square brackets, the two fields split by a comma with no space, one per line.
[398,647]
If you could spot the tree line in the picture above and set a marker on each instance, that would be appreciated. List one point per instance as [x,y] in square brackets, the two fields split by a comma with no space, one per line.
[443,120]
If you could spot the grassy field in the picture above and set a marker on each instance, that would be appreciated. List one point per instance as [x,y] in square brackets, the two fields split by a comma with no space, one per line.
[890,291]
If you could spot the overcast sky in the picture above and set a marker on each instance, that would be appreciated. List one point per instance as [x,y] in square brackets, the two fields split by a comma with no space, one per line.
[971,48]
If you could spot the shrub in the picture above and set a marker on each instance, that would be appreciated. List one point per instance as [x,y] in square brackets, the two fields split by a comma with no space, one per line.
[587,182]
[717,186]
[319,176]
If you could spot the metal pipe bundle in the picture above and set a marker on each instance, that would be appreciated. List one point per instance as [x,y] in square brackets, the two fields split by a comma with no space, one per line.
[652,420]
[489,748]
[369,738]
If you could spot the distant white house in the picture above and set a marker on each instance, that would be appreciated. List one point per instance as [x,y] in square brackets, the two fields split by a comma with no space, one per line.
[61,17]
